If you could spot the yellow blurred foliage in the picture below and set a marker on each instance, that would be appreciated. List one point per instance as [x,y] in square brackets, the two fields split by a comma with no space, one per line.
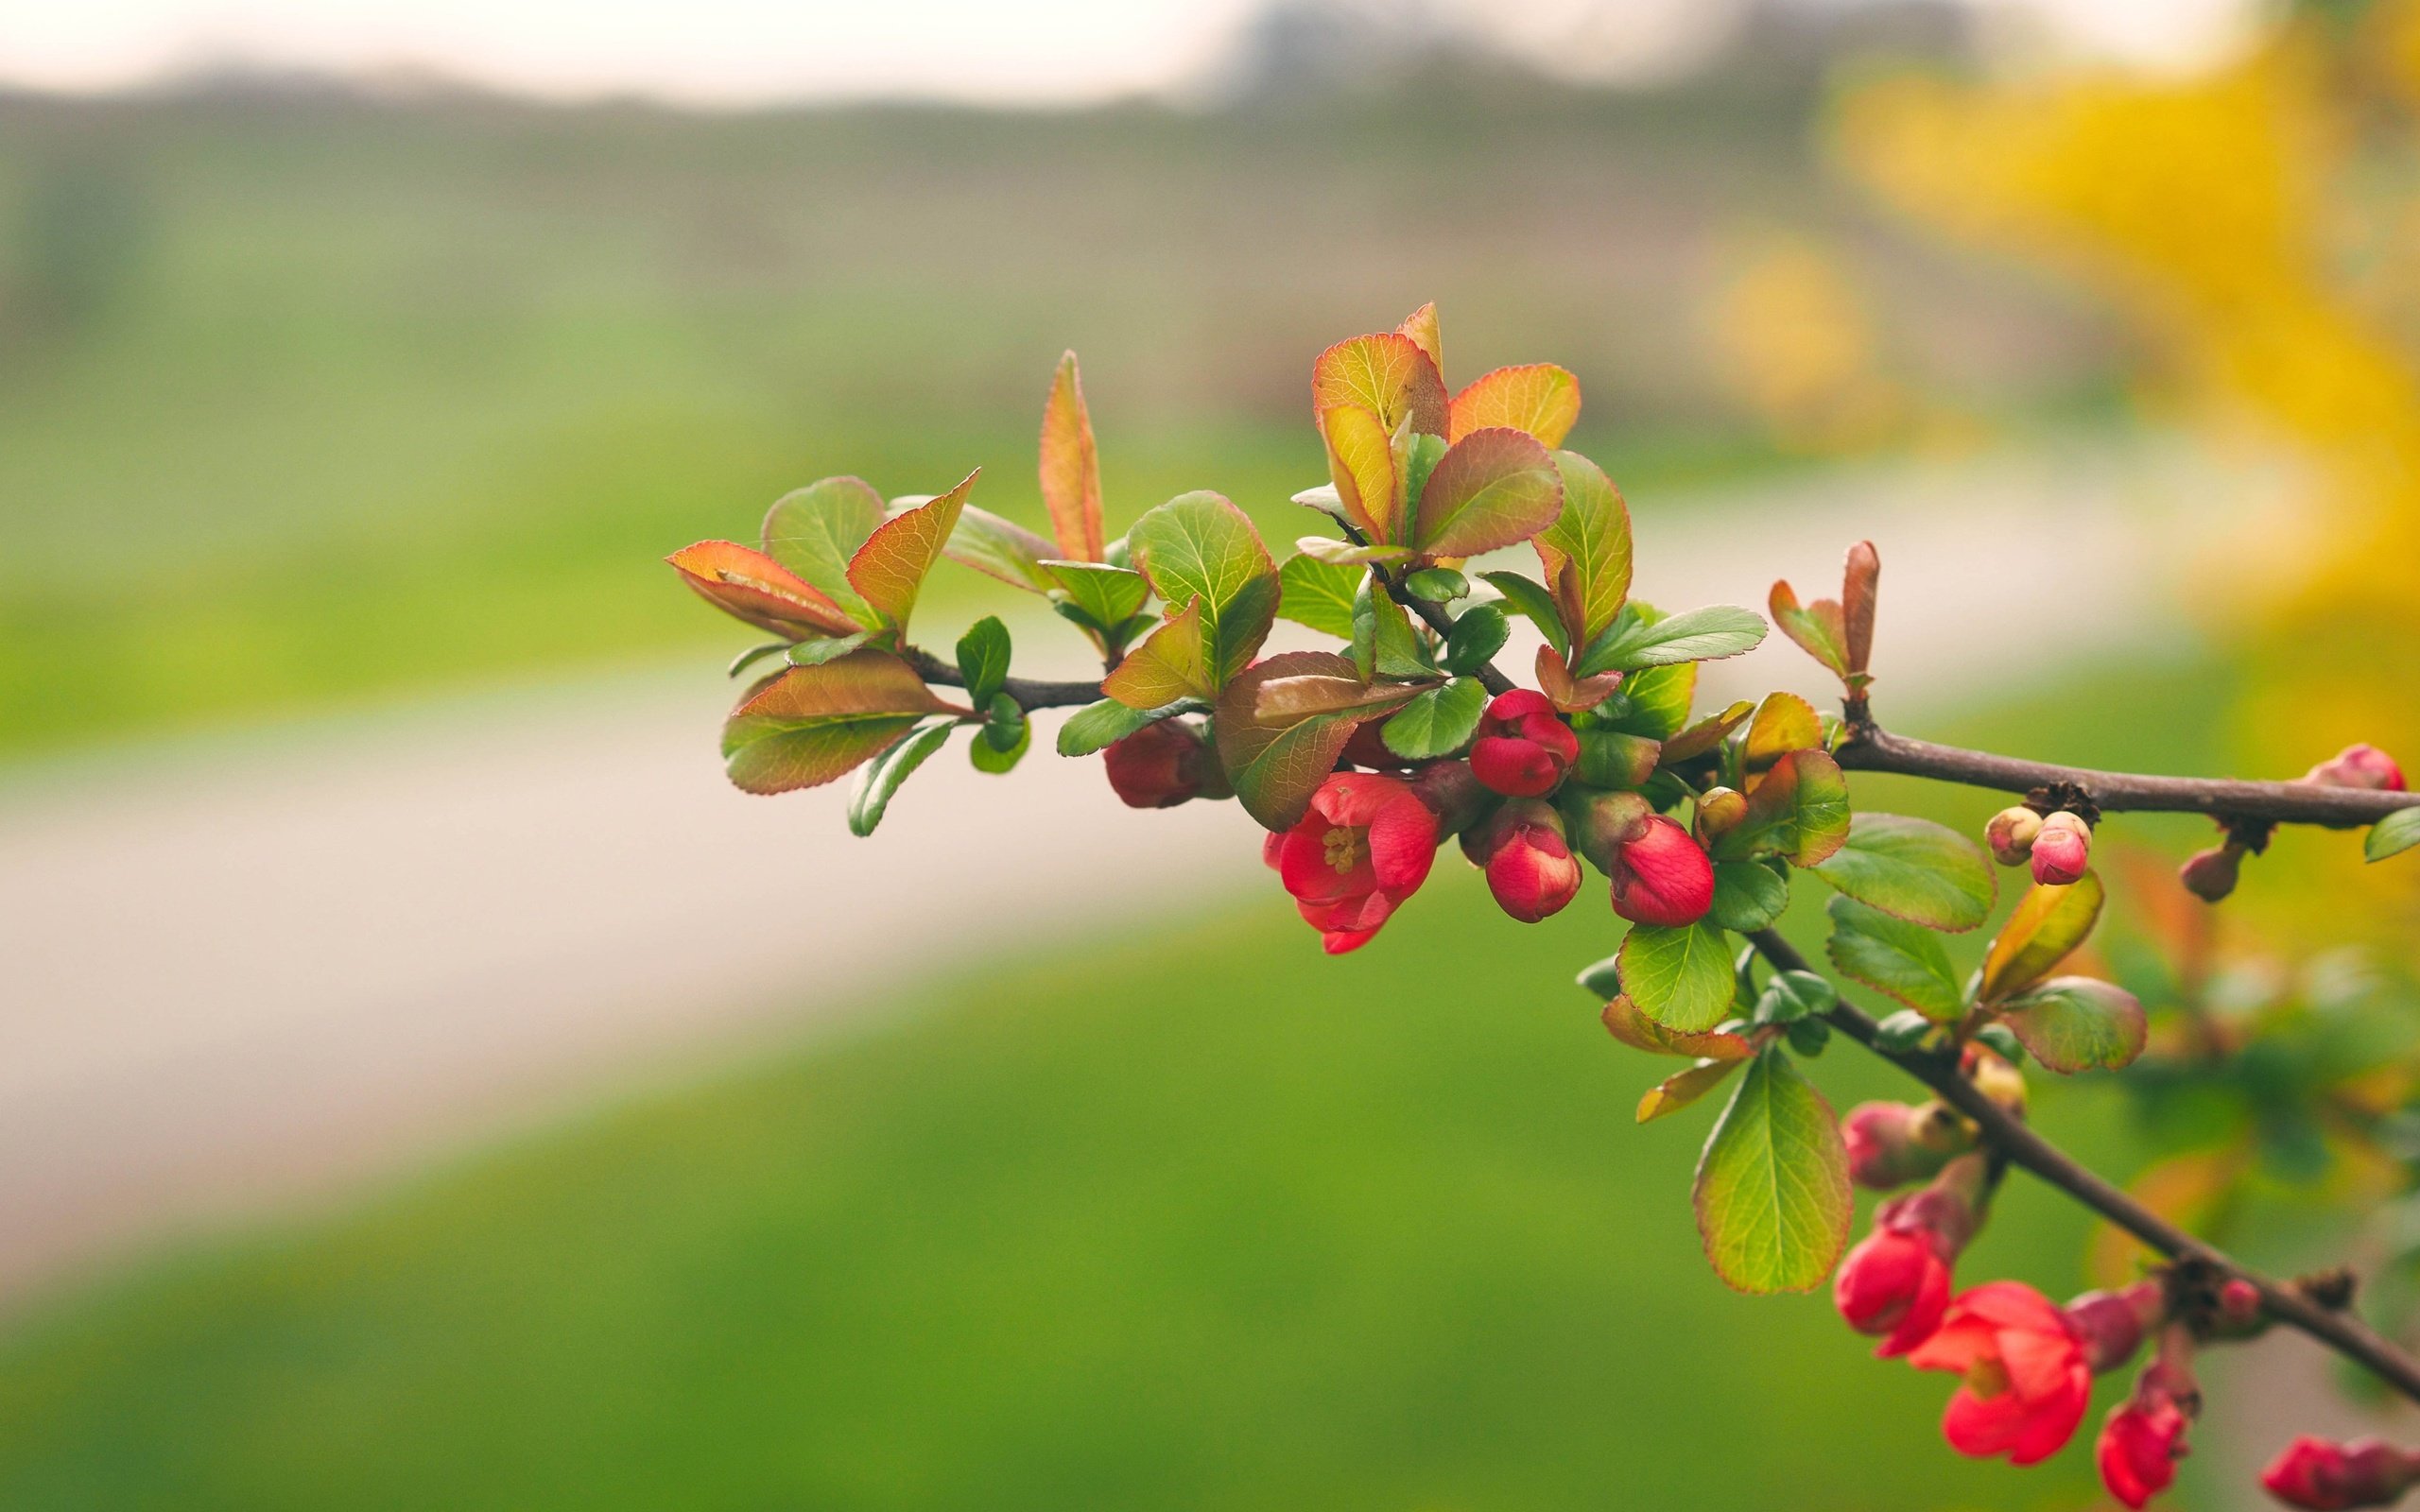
[2259,228]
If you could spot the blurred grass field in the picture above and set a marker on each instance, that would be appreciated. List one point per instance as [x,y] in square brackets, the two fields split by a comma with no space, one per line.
[1206,1221]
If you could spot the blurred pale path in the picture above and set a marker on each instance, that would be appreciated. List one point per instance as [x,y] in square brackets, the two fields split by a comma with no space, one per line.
[232,981]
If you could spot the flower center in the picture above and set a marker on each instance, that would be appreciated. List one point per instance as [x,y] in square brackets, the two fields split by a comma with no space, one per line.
[1345,849]
[1987,1378]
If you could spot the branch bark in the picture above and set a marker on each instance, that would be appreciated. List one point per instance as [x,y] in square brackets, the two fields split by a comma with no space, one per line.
[1030,693]
[2024,1146]
[1871,749]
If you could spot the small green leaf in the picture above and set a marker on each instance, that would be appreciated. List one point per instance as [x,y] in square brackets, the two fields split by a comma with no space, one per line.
[1773,1188]
[1624,1022]
[2074,1023]
[1526,598]
[1318,594]
[1794,996]
[2399,832]
[829,649]
[983,659]
[1000,549]
[1610,759]
[986,750]
[1680,977]
[1592,539]
[1603,978]
[1198,546]
[1106,596]
[1384,643]
[2046,925]
[1437,585]
[1707,634]
[1913,870]
[757,653]
[1808,1036]
[880,778]
[1478,635]
[1893,956]
[1096,726]
[1437,722]
[1004,722]
[1421,454]
[1747,895]
[815,530]
[1902,1031]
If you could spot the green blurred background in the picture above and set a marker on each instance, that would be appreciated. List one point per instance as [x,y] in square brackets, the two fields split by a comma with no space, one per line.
[324,402]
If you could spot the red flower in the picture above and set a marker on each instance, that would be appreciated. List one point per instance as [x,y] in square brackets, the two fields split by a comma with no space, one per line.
[1363,847]
[1522,748]
[1894,1284]
[2062,850]
[2327,1477]
[1158,766]
[2362,765]
[1661,876]
[2027,1379]
[2142,1440]
[1530,868]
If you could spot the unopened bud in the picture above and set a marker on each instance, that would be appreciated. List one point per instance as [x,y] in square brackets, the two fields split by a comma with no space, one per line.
[1599,822]
[1890,1145]
[2113,1325]
[1994,1076]
[2329,1477]
[2062,850]
[2011,835]
[1661,876]
[2239,1311]
[1531,870]
[1721,809]
[2211,874]
[1160,766]
[2362,765]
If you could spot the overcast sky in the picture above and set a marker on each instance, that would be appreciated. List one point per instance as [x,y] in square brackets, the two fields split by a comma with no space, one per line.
[739,51]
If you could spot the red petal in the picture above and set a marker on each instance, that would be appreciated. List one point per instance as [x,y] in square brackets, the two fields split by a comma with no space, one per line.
[2049,1424]
[1403,845]
[1982,1426]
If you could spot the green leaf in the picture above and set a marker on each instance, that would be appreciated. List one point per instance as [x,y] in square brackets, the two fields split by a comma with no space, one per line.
[999,549]
[1171,663]
[1603,978]
[988,751]
[814,531]
[983,659]
[811,724]
[1913,870]
[880,778]
[1419,457]
[1747,895]
[888,570]
[1494,487]
[1592,540]
[2399,832]
[757,653]
[1198,546]
[1683,1088]
[1707,634]
[1107,595]
[1384,643]
[1275,765]
[1626,1023]
[1794,996]
[1098,726]
[1437,585]
[1657,701]
[1529,599]
[1903,1031]
[1478,633]
[1318,594]
[2074,1023]
[1773,1188]
[2046,925]
[1799,810]
[1892,956]
[1680,977]
[1437,722]
[1610,759]
[815,653]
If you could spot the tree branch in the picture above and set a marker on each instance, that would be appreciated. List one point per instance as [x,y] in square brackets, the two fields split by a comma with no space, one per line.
[1871,749]
[2022,1145]
[1030,693]
[1434,616]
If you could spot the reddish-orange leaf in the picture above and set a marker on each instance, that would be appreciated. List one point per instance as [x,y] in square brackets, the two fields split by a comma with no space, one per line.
[1171,664]
[1539,398]
[1491,488]
[1421,325]
[1784,722]
[1636,1029]
[1859,580]
[742,581]
[1386,374]
[1360,461]
[813,724]
[1071,466]
[1818,627]
[890,566]
[1566,693]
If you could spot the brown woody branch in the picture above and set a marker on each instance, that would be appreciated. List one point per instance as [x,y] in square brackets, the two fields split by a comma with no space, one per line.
[2015,1140]
[1030,693]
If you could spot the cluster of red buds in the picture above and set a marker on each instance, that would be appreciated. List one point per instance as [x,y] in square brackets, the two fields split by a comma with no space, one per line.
[2058,845]
[1367,842]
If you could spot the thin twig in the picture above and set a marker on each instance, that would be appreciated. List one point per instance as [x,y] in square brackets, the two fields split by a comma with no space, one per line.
[1871,749]
[2019,1140]
[1030,693]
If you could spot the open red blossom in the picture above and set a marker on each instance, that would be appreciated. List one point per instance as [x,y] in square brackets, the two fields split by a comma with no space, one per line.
[1524,748]
[1662,876]
[2027,1379]
[1364,846]
[2144,1435]
[2327,1477]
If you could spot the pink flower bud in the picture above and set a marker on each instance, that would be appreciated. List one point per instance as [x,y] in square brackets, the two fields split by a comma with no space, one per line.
[2327,1477]
[2239,1307]
[1159,765]
[2062,850]
[1890,1145]
[1522,748]
[2114,1324]
[1661,876]
[2011,835]
[1530,869]
[2211,874]
[1896,1283]
[2143,1436]
[2362,765]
